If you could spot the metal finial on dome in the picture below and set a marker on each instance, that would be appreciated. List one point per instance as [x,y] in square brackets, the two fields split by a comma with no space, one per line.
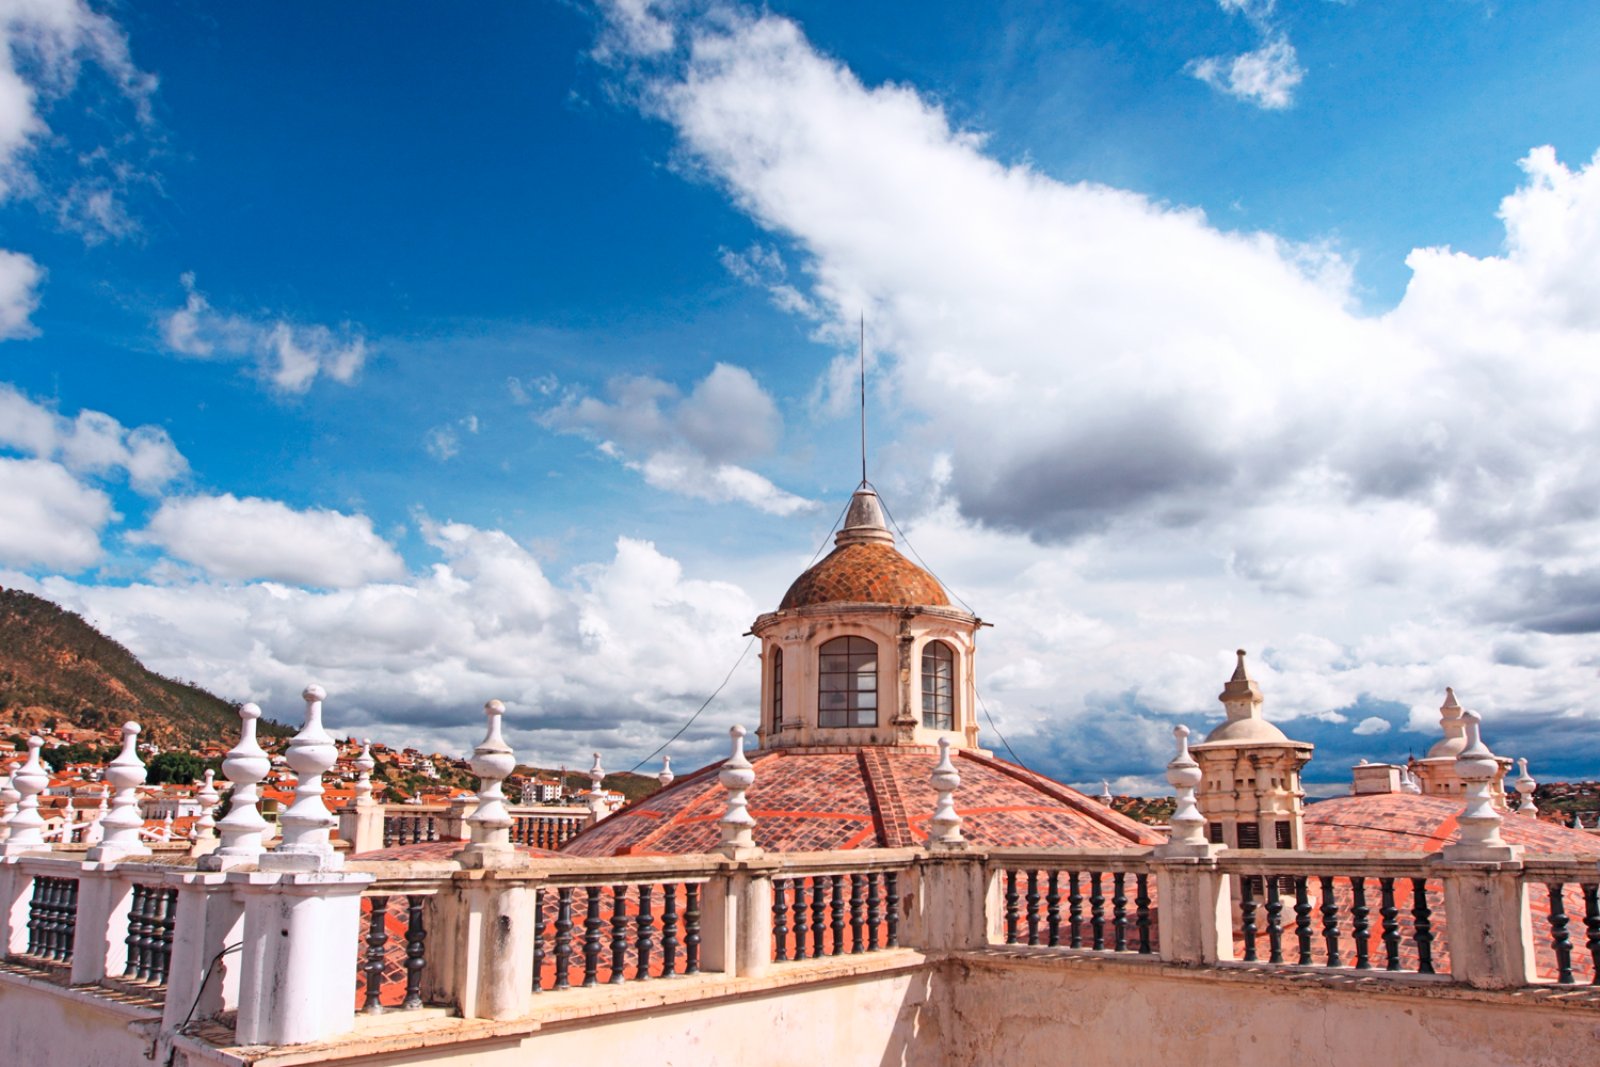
[1239,673]
[864,520]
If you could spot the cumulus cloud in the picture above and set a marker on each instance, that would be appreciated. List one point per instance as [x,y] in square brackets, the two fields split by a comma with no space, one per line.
[444,442]
[1200,422]
[695,445]
[19,294]
[50,518]
[251,538]
[288,357]
[92,442]
[1371,726]
[613,657]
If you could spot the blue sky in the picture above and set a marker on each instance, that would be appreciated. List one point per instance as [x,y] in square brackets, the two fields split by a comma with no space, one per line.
[507,353]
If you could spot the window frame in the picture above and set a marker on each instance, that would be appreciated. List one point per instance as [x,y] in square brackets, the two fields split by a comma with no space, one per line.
[851,707]
[934,718]
[777,689]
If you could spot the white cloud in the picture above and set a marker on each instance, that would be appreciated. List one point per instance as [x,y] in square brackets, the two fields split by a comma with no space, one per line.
[613,658]
[44,45]
[695,445]
[444,442]
[49,519]
[91,443]
[1266,77]
[19,294]
[1371,727]
[288,357]
[250,538]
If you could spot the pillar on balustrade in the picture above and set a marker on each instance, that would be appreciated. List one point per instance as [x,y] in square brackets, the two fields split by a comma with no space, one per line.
[944,829]
[490,822]
[1490,929]
[361,822]
[8,800]
[307,823]
[1525,787]
[1196,925]
[123,824]
[26,826]
[203,836]
[598,808]
[737,909]
[302,913]
[243,829]
[202,977]
[95,832]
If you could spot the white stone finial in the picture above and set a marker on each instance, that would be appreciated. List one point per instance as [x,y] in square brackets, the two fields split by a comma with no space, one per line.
[26,825]
[597,774]
[95,832]
[1525,787]
[666,776]
[1105,798]
[492,761]
[944,829]
[365,764]
[1476,766]
[1187,833]
[308,823]
[8,800]
[242,830]
[166,827]
[208,797]
[126,774]
[598,808]
[738,825]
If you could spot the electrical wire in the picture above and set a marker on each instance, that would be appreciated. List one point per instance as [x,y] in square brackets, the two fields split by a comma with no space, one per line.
[205,977]
[702,707]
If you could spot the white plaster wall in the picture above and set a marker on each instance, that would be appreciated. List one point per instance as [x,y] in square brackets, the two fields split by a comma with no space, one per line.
[1083,1013]
[54,1028]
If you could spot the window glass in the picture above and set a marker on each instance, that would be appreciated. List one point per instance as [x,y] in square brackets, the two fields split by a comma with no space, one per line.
[847,683]
[938,686]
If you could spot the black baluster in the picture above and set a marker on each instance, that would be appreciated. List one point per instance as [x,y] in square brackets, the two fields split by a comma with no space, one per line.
[377,942]
[1388,915]
[894,907]
[619,933]
[1274,922]
[433,829]
[70,918]
[874,911]
[1052,908]
[1142,914]
[147,935]
[416,952]
[1302,918]
[388,831]
[36,919]
[135,932]
[802,923]
[669,930]
[166,920]
[538,939]
[1074,911]
[1119,912]
[1011,907]
[1359,929]
[691,928]
[780,920]
[1097,911]
[819,916]
[1558,932]
[1330,920]
[1033,907]
[1423,929]
[1247,916]
[857,909]
[591,936]
[563,945]
[837,911]
[1591,925]
[644,935]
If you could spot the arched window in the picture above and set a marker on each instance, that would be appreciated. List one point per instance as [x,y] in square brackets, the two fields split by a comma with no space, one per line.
[847,683]
[777,688]
[938,686]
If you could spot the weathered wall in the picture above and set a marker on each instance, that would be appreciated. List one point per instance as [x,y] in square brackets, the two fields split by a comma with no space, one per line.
[57,1028]
[1078,1011]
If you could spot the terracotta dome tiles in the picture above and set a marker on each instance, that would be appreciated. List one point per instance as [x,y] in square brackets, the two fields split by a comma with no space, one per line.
[865,573]
[1423,824]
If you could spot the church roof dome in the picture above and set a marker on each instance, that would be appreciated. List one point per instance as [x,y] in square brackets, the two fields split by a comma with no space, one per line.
[865,568]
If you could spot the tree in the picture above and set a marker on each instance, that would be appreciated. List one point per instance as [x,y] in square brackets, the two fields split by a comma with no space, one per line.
[180,767]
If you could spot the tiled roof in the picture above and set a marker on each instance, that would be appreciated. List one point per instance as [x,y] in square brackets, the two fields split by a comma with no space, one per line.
[1423,824]
[433,850]
[865,573]
[871,797]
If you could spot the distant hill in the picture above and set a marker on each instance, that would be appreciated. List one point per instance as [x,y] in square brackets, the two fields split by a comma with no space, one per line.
[55,667]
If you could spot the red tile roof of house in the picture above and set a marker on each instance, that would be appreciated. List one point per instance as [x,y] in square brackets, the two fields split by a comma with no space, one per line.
[1423,824]
[870,797]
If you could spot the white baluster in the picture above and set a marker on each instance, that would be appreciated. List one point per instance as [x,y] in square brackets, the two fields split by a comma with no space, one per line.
[124,823]
[737,824]
[944,829]
[243,829]
[308,823]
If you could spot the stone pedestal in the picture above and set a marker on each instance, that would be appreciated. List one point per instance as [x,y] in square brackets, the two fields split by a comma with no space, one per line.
[959,906]
[1490,928]
[362,826]
[736,921]
[105,895]
[493,925]
[209,918]
[297,968]
[1196,918]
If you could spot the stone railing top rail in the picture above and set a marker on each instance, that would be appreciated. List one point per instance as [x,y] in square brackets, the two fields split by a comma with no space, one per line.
[1549,867]
[1070,859]
[1372,864]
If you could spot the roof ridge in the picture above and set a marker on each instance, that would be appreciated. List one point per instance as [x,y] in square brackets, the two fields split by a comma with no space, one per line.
[878,775]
